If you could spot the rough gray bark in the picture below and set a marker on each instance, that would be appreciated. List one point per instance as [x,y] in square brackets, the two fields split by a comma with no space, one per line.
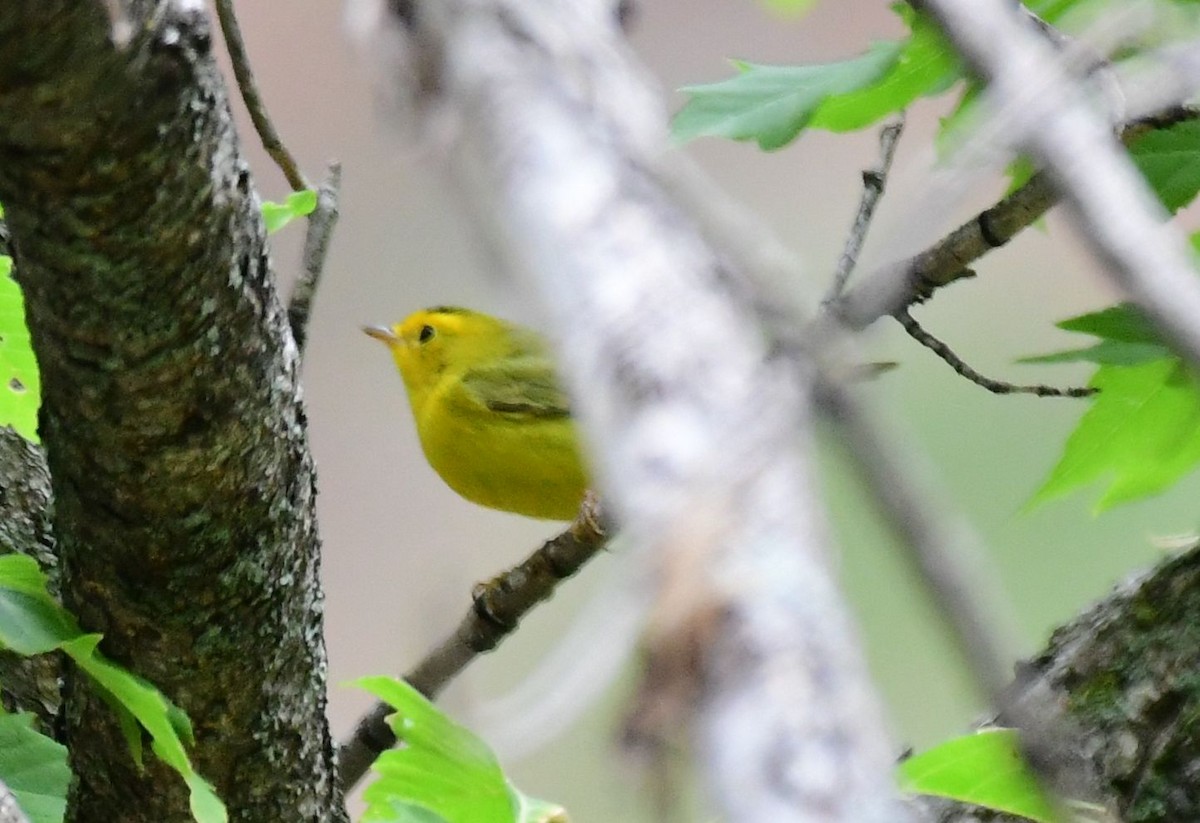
[171,415]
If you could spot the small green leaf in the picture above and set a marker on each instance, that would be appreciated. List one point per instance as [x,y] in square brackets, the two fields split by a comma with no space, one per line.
[985,768]
[443,769]
[1170,161]
[791,8]
[1120,322]
[20,383]
[34,768]
[1142,433]
[297,204]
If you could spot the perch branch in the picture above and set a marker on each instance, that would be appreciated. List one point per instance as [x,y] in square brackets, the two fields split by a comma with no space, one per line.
[498,606]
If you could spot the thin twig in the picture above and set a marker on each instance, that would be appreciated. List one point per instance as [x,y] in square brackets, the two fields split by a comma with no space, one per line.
[254,104]
[316,245]
[942,350]
[874,180]
[498,606]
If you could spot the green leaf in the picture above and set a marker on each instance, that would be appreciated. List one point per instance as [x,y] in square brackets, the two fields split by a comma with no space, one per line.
[791,8]
[31,622]
[1142,433]
[985,768]
[297,204]
[34,768]
[443,769]
[773,104]
[1128,339]
[1120,322]
[20,383]
[1109,352]
[1170,161]
[156,714]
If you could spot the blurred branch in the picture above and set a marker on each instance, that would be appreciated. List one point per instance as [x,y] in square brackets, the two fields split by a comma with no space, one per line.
[1147,259]
[498,606]
[316,245]
[558,146]
[254,102]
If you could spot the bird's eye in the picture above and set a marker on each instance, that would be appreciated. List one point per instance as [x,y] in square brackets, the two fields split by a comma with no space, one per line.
[426,334]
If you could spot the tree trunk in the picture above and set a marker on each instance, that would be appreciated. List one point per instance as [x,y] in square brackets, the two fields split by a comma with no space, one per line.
[171,414]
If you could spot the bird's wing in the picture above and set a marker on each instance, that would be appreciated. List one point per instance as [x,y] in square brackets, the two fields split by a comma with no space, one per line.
[523,388]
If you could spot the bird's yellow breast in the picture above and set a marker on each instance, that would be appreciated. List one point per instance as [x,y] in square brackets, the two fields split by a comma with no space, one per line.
[500,460]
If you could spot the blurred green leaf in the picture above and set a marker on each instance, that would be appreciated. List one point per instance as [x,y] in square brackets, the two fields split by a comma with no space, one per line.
[985,768]
[789,7]
[1141,433]
[20,383]
[297,204]
[773,104]
[1170,161]
[442,768]
[1128,339]
[34,768]
[1121,322]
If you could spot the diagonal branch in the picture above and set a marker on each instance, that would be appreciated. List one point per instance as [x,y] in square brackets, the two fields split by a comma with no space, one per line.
[705,439]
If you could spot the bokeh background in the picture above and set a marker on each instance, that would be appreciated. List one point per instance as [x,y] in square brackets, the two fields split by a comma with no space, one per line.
[402,551]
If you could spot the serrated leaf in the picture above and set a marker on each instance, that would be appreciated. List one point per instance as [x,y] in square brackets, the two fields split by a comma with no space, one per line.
[156,714]
[773,104]
[1141,433]
[1169,159]
[925,67]
[34,768]
[20,382]
[985,768]
[297,204]
[442,768]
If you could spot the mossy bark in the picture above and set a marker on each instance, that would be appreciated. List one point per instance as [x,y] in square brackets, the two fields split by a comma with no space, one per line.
[171,412]
[1127,671]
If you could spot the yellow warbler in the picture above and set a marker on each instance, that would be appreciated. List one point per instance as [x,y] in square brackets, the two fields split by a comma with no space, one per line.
[492,419]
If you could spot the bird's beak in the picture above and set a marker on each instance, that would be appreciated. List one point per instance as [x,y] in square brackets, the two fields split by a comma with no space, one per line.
[382,333]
